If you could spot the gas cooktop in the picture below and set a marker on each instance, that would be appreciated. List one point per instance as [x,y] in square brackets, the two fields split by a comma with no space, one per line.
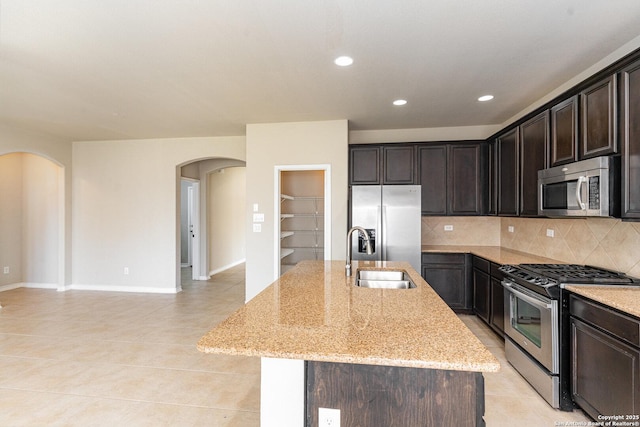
[547,279]
[579,274]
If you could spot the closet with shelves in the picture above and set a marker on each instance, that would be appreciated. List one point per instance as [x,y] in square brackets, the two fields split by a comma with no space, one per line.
[301,217]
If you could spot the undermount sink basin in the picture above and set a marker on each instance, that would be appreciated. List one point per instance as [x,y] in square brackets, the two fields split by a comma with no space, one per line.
[384,279]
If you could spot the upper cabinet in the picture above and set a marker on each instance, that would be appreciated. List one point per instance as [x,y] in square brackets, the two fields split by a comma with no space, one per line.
[398,164]
[630,131]
[598,114]
[364,165]
[381,164]
[507,146]
[564,132]
[534,140]
[453,177]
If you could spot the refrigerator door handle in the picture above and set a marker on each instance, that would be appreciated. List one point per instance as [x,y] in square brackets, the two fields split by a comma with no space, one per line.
[382,215]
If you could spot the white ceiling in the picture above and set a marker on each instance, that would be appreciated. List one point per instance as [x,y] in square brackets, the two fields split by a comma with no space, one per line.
[119,69]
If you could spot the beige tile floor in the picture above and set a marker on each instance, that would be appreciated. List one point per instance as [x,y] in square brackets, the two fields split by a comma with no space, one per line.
[81,358]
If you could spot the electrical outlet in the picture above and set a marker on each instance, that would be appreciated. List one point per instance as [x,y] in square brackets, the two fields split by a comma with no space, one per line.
[550,232]
[328,417]
[511,229]
[257,228]
[6,270]
[126,271]
[448,228]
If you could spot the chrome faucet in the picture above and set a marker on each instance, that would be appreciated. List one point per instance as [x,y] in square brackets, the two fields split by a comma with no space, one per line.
[367,243]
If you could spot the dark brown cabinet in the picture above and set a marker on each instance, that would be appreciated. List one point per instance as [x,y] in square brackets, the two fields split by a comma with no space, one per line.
[449,275]
[385,164]
[481,288]
[398,164]
[508,172]
[630,131]
[364,165]
[534,140]
[598,114]
[496,317]
[605,359]
[453,178]
[564,132]
[488,293]
[432,166]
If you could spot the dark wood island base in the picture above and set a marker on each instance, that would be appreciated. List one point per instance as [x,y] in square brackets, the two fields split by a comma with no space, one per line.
[369,395]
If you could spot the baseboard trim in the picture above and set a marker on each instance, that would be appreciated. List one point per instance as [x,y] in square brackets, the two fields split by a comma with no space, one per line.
[226,267]
[10,286]
[110,288]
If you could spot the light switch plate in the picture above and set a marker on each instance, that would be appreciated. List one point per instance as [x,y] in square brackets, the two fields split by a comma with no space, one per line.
[448,228]
[6,270]
[258,217]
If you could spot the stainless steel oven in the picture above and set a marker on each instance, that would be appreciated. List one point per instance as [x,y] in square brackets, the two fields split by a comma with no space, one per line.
[536,320]
[531,322]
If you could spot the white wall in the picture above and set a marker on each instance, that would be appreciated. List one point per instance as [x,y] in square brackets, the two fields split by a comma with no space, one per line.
[126,209]
[40,220]
[300,143]
[226,218]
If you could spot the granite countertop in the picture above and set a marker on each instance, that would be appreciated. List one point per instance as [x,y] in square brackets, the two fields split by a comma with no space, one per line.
[314,312]
[495,254]
[623,298]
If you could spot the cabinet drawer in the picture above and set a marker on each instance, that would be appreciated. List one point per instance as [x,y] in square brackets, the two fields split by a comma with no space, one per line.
[481,264]
[617,324]
[442,258]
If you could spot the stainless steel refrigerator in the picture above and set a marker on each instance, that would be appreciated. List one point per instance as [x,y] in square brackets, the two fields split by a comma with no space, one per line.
[392,216]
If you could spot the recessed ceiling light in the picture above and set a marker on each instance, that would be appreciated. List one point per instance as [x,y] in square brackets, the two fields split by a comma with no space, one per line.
[485,98]
[400,102]
[343,61]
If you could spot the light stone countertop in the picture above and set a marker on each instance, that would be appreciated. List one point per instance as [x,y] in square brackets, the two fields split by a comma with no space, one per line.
[314,312]
[496,254]
[624,298]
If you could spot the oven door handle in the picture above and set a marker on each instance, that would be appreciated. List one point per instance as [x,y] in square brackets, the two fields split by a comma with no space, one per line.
[579,192]
[533,301]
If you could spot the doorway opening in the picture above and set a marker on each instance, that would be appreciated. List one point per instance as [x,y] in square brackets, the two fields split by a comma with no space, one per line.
[303,207]
[209,191]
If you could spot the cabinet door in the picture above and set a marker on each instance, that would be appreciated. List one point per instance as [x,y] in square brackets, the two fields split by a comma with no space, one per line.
[493,178]
[398,164]
[465,179]
[497,305]
[564,132]
[507,145]
[364,165]
[449,282]
[432,166]
[481,294]
[598,110]
[631,141]
[534,139]
[605,373]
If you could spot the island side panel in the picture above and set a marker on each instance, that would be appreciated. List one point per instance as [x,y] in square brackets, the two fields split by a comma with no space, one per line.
[389,395]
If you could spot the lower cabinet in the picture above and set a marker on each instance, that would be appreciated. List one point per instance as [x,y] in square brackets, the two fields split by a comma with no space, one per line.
[488,293]
[605,360]
[449,274]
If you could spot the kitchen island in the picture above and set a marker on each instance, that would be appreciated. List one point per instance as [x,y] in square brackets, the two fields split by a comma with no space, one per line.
[368,352]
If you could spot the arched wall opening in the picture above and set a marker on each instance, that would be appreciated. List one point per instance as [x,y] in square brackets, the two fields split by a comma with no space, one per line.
[32,221]
[220,208]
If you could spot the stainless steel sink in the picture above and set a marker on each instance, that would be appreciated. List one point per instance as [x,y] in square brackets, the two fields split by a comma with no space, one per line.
[384,279]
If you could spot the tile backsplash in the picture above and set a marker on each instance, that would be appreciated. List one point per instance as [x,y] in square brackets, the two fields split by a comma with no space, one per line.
[603,242]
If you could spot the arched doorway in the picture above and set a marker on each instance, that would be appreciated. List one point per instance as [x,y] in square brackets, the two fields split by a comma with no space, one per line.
[32,221]
[212,190]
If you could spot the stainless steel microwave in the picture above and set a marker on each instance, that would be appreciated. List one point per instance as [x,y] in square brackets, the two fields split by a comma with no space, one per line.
[585,188]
